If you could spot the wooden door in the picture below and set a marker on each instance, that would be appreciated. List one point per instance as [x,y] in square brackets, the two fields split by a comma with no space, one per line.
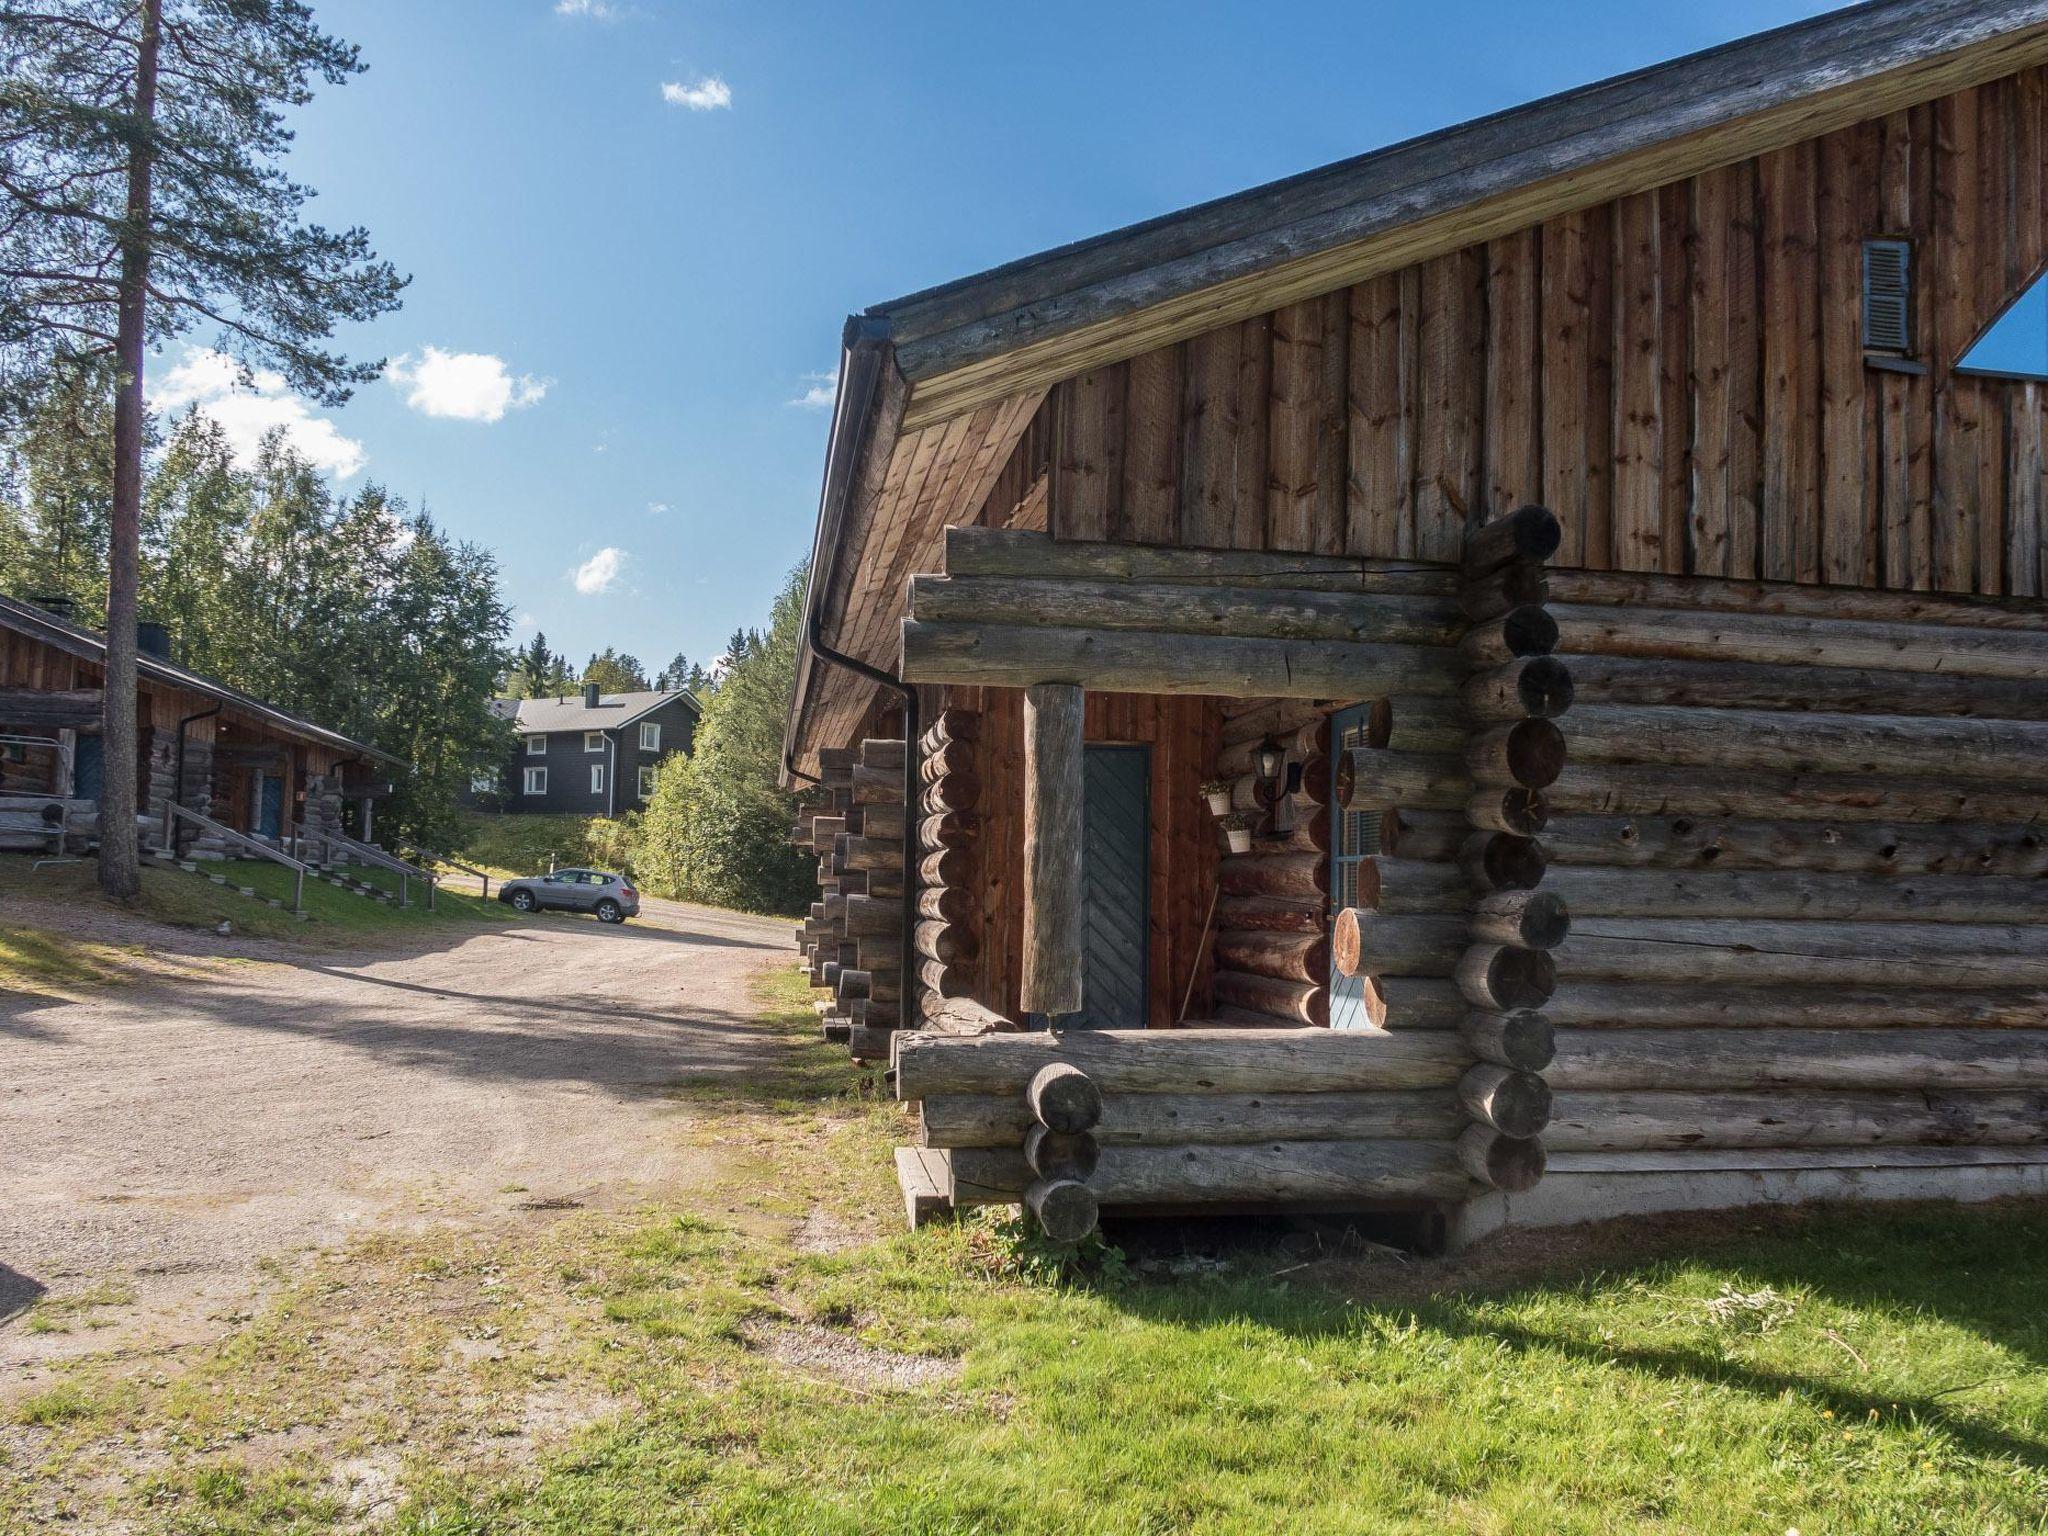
[1115,880]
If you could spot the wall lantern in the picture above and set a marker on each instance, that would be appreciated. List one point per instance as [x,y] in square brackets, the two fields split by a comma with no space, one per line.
[1267,763]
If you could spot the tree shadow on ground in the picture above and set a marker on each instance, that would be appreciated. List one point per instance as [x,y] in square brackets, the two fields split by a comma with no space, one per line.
[17,1293]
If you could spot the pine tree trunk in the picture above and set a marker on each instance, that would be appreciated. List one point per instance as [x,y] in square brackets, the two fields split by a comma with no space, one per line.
[120,859]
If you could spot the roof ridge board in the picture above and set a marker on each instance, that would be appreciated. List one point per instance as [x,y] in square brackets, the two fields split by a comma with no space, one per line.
[1869,42]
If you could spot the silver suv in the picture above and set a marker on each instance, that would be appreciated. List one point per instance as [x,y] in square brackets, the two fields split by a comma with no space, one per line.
[575,890]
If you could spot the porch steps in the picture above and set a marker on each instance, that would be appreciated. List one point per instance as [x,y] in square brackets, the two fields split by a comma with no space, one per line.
[163,858]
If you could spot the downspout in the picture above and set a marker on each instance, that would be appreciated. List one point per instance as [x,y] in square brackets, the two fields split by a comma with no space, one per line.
[866,344]
[178,775]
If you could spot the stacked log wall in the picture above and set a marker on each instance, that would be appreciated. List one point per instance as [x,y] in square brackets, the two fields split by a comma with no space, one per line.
[851,944]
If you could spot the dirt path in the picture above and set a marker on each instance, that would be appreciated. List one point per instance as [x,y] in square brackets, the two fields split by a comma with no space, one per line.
[170,1141]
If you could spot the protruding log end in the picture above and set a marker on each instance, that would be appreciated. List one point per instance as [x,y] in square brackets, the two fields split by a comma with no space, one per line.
[1509,1163]
[1530,753]
[1347,940]
[1523,1040]
[1529,533]
[1513,1103]
[1065,1208]
[1524,812]
[1064,1098]
[1501,978]
[1501,861]
[1528,919]
[1054,1154]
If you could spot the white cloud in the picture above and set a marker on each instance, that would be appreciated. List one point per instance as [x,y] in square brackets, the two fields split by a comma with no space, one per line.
[213,382]
[708,94]
[467,386]
[657,508]
[601,572]
[597,10]
[816,390]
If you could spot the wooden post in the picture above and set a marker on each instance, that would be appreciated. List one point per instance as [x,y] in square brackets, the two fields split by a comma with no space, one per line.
[1052,849]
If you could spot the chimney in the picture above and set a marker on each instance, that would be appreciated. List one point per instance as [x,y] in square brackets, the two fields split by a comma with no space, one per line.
[56,603]
[152,639]
[590,695]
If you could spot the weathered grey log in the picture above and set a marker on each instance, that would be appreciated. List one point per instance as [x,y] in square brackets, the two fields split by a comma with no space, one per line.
[1404,1003]
[963,1016]
[1638,790]
[1530,753]
[873,1013]
[884,884]
[873,852]
[1179,608]
[1270,914]
[837,1030]
[1368,779]
[949,725]
[1062,1097]
[972,551]
[1065,1209]
[1289,956]
[1274,717]
[1531,919]
[881,821]
[954,793]
[944,981]
[1798,893]
[1520,812]
[1369,943]
[1784,640]
[1408,723]
[1764,952]
[1528,535]
[1052,847]
[1678,842]
[956,757]
[1590,1121]
[881,986]
[1523,1040]
[873,917]
[947,904]
[1904,1059]
[1012,656]
[1501,979]
[1514,585]
[1854,690]
[1589,1004]
[1408,833]
[1121,1061]
[1516,634]
[1513,1103]
[877,786]
[1275,1174]
[1274,875]
[866,1043]
[1221,1119]
[1295,1001]
[834,763]
[1540,686]
[1639,589]
[2005,751]
[949,866]
[1412,887]
[947,943]
[1049,1154]
[1311,739]
[1510,1163]
[826,974]
[1501,861]
[825,830]
[953,829]
[882,752]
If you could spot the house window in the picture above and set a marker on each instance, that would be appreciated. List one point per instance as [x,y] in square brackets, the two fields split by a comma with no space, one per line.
[1888,297]
[536,781]
[597,778]
[536,746]
[593,741]
[646,782]
[650,735]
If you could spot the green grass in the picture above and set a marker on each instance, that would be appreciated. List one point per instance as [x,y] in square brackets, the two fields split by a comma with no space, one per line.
[525,845]
[343,911]
[1877,1370]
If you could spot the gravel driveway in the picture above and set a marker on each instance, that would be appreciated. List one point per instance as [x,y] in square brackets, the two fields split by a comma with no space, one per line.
[167,1139]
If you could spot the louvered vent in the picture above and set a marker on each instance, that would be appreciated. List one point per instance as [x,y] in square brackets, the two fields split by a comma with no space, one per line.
[1887,296]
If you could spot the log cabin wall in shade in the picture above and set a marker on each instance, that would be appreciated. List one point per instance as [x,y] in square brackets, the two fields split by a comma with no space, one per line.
[1678,374]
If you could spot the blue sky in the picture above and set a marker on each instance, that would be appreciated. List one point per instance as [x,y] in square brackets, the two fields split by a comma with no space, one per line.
[623,294]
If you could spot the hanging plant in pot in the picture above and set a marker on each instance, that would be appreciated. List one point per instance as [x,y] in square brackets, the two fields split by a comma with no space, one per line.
[1237,827]
[1217,793]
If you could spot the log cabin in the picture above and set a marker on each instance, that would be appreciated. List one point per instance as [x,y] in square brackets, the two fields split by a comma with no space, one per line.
[246,764]
[1505,678]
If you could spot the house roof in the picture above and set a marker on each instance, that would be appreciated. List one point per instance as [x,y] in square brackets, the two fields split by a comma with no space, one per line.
[89,644]
[534,717]
[936,386]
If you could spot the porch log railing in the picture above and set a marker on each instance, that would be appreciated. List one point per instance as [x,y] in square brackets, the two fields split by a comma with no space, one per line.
[175,813]
[377,858]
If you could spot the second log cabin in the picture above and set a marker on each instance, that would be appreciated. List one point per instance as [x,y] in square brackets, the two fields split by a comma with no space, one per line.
[1507,676]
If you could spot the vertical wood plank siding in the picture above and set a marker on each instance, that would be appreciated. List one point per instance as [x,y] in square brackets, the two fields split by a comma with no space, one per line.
[1679,374]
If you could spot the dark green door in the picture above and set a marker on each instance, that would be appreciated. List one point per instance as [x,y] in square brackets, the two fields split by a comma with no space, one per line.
[1115,874]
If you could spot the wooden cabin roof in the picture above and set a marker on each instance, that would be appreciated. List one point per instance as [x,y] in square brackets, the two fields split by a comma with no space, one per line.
[937,387]
[60,634]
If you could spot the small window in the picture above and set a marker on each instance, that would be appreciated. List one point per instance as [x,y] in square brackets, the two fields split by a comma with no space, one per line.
[597,778]
[536,746]
[2015,345]
[536,781]
[593,741]
[650,735]
[646,783]
[1888,297]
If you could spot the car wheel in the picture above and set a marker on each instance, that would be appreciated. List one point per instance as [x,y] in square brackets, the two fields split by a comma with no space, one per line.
[523,900]
[609,911]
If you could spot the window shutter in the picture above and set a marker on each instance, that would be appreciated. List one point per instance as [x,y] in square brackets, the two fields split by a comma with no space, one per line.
[1887,296]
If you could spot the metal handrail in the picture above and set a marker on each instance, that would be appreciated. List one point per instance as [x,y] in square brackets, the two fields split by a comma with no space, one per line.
[428,856]
[173,810]
[370,853]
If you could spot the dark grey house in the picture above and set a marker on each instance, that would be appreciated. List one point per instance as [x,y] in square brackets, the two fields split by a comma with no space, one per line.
[592,754]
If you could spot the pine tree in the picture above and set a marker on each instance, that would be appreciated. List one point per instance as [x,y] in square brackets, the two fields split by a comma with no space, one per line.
[139,197]
[615,672]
